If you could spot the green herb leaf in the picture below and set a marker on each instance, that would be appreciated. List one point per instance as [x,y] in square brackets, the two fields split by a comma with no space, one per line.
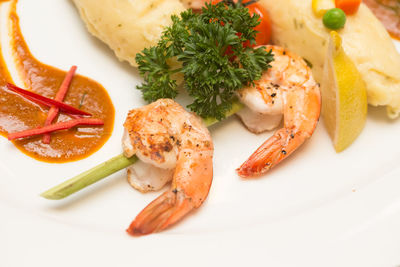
[214,61]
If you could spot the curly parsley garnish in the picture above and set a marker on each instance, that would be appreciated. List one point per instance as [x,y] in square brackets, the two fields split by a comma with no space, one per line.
[213,60]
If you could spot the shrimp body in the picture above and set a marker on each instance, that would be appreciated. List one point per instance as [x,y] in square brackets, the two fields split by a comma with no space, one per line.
[168,137]
[287,88]
[263,106]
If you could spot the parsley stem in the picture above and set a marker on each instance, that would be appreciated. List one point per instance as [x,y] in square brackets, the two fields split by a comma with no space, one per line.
[107,168]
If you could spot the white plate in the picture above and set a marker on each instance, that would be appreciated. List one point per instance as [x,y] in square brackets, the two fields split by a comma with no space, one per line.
[318,208]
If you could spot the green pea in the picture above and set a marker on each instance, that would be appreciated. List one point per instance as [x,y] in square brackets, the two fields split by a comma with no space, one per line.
[334,19]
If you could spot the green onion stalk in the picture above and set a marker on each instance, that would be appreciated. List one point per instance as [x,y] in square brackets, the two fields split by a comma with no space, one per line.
[107,168]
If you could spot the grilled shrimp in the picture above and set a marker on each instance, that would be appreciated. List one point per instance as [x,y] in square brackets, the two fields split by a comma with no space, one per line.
[176,142]
[287,88]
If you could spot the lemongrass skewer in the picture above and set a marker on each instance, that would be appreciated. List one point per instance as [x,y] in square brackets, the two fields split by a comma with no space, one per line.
[107,168]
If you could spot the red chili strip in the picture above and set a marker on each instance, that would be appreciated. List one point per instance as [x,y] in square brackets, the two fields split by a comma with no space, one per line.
[53,112]
[55,127]
[46,101]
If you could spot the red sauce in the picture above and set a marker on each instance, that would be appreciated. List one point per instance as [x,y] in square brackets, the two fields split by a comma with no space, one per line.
[17,114]
[388,12]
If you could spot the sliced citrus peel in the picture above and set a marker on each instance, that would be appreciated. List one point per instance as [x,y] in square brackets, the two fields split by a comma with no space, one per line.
[344,96]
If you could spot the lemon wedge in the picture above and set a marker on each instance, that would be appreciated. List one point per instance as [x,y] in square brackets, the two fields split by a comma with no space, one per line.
[321,6]
[344,96]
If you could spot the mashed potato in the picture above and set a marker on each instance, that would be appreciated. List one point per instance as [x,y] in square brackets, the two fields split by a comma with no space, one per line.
[365,40]
[128,26]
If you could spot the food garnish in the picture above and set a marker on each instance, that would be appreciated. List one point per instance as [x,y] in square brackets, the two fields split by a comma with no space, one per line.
[199,43]
[334,19]
[344,96]
[321,6]
[55,106]
[46,101]
[53,112]
[55,127]
[350,7]
[264,28]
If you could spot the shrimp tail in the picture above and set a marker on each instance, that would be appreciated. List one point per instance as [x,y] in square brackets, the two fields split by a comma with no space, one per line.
[161,213]
[274,150]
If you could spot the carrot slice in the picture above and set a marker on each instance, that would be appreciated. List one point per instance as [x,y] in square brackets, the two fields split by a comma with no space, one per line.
[53,112]
[46,101]
[55,127]
[348,6]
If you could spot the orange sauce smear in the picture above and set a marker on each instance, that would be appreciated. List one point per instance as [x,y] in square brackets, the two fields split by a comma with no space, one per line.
[17,114]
